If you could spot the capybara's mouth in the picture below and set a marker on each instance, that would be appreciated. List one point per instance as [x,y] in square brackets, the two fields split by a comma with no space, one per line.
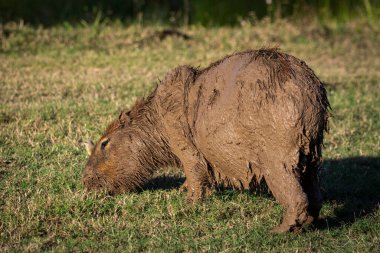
[94,183]
[90,185]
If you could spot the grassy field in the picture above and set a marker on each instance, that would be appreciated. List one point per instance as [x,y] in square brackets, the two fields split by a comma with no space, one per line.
[61,85]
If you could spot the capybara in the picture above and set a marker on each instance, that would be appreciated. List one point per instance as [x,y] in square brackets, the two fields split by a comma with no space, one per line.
[252,115]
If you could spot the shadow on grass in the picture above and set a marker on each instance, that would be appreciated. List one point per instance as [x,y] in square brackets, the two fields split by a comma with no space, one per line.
[164,183]
[350,185]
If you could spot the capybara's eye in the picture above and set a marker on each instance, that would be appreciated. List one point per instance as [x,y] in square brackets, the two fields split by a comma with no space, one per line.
[104,144]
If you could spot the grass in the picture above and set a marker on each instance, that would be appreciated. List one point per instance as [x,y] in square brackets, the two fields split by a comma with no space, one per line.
[64,84]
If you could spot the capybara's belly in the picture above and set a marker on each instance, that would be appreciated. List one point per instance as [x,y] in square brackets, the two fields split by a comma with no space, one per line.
[230,154]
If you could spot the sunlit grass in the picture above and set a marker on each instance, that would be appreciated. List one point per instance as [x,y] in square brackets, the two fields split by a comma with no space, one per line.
[61,85]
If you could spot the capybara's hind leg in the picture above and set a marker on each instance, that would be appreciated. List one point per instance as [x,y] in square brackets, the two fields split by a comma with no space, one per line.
[286,188]
[311,186]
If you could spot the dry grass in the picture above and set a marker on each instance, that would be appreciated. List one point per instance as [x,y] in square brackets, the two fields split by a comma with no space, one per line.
[64,84]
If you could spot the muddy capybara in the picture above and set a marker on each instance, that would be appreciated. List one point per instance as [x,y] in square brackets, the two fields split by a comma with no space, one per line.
[252,115]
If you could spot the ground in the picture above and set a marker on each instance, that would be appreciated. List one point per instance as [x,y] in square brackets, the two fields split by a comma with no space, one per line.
[61,85]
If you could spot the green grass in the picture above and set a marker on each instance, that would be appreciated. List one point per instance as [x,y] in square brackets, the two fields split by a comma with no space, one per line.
[61,85]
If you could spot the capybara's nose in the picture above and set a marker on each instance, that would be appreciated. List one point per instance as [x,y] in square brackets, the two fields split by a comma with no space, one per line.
[87,175]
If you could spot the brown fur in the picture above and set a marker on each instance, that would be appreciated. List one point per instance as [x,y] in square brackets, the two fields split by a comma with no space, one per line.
[252,115]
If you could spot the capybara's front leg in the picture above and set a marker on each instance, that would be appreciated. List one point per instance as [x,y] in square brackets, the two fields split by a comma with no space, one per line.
[286,188]
[197,179]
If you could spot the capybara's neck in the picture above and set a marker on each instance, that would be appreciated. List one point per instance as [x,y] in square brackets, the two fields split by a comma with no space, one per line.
[149,144]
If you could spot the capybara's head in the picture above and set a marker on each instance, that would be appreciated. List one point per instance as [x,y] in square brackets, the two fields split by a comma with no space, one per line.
[111,166]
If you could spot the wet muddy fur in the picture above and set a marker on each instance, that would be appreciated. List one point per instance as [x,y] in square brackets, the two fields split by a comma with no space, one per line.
[252,115]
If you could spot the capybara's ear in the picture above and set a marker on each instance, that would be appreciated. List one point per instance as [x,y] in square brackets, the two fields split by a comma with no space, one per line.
[124,117]
[89,146]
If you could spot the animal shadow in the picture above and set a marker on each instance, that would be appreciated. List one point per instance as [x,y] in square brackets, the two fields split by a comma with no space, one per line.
[164,182]
[352,186]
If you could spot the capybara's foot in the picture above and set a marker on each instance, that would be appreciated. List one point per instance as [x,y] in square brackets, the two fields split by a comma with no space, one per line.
[196,195]
[193,198]
[281,229]
[285,227]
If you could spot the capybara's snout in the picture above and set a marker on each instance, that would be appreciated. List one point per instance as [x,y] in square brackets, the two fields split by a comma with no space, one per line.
[89,178]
